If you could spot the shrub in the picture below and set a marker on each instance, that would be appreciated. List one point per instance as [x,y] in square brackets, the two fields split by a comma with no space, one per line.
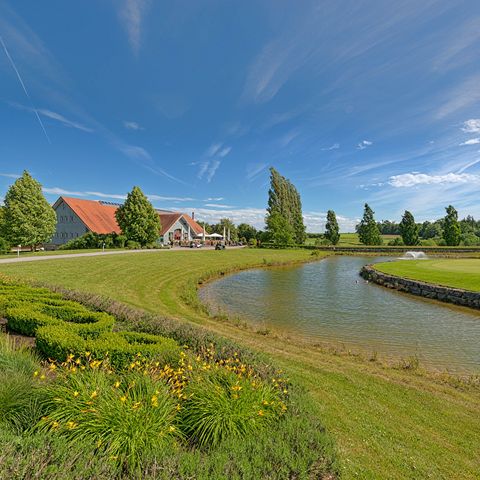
[221,404]
[58,342]
[4,246]
[26,318]
[131,244]
[131,419]
[428,243]
[396,242]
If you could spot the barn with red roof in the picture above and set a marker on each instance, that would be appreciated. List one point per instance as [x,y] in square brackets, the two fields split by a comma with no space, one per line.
[77,216]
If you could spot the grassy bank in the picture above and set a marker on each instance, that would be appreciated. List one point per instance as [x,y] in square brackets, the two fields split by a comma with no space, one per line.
[387,423]
[458,273]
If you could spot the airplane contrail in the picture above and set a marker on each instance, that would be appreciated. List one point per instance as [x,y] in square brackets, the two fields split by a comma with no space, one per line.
[12,63]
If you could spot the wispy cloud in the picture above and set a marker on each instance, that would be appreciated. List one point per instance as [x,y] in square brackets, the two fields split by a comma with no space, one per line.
[215,153]
[414,179]
[115,196]
[213,199]
[472,125]
[132,14]
[460,97]
[213,149]
[335,146]
[468,165]
[224,152]
[472,141]
[132,125]
[218,205]
[364,144]
[24,88]
[10,175]
[255,169]
[53,116]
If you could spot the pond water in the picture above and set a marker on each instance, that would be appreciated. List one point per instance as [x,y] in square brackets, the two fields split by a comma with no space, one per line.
[328,301]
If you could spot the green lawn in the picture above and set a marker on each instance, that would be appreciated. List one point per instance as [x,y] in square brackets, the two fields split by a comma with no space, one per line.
[387,423]
[460,273]
[50,252]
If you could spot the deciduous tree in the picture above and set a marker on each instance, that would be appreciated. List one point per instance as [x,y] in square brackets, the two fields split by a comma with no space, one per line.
[28,219]
[138,219]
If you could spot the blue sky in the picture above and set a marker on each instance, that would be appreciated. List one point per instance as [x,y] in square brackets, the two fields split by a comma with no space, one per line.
[352,100]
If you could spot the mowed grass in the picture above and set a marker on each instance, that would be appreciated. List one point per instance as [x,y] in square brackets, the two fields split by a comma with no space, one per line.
[459,272]
[387,423]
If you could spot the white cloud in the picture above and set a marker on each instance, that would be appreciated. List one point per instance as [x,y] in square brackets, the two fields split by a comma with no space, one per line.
[413,179]
[213,199]
[63,120]
[218,205]
[212,169]
[254,169]
[335,146]
[213,149]
[132,125]
[364,144]
[472,141]
[131,14]
[116,196]
[462,96]
[472,125]
[134,151]
[225,151]
[10,175]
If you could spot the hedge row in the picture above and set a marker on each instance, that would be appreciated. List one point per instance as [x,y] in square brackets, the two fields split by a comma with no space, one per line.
[121,348]
[63,327]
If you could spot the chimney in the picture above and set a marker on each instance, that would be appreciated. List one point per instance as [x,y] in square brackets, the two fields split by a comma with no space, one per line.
[193,215]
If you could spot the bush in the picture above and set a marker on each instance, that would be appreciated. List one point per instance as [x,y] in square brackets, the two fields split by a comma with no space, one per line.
[27,318]
[131,244]
[121,348]
[221,404]
[130,419]
[396,242]
[428,243]
[4,246]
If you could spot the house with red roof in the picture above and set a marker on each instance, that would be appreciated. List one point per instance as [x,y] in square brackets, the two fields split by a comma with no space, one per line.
[76,216]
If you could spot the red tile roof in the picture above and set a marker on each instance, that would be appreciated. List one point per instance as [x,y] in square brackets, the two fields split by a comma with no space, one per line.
[99,217]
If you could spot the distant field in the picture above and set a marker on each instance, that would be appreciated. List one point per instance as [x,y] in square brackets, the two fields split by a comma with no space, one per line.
[351,240]
[458,273]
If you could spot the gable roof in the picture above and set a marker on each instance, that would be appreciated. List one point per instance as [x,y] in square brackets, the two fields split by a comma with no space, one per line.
[97,216]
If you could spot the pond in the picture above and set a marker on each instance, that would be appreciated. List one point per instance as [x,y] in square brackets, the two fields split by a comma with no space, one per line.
[328,302]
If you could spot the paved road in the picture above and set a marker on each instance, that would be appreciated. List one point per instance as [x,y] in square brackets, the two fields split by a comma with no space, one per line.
[96,254]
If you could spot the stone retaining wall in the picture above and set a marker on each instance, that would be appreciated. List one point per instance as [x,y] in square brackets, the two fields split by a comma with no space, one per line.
[456,296]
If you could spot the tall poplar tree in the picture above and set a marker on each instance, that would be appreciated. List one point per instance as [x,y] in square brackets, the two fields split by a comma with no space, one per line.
[451,227]
[332,231]
[284,200]
[137,218]
[28,219]
[368,231]
[409,229]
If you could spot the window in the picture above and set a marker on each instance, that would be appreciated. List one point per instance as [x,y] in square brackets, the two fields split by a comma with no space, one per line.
[71,218]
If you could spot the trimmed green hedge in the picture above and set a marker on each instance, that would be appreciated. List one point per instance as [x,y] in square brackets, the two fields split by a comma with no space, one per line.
[56,341]
[27,318]
[63,327]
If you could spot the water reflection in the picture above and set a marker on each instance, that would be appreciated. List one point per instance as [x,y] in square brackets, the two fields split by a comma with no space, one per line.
[328,301]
